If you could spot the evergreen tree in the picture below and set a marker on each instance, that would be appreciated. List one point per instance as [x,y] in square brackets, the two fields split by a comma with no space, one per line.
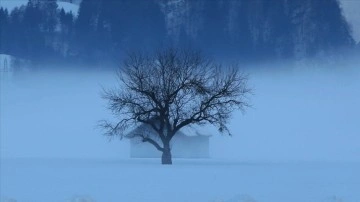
[116,26]
[103,30]
[4,30]
[66,21]
[17,39]
[49,9]
[215,21]
[85,29]
[32,26]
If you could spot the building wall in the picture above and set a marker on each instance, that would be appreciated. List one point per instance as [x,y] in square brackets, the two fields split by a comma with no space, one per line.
[191,147]
[181,147]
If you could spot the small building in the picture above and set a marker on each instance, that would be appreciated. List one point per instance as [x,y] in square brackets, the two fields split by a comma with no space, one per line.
[6,69]
[187,143]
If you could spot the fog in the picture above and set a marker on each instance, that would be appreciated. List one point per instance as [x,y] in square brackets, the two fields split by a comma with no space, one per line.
[299,113]
[299,142]
[55,114]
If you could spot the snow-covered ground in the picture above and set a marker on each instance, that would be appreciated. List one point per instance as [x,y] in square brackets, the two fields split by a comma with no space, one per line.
[11,4]
[351,12]
[69,7]
[306,114]
[299,143]
[113,180]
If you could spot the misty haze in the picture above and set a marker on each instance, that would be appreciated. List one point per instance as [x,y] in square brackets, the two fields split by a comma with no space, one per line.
[295,138]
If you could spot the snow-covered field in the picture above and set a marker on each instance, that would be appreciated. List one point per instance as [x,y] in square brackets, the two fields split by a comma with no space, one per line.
[113,180]
[299,143]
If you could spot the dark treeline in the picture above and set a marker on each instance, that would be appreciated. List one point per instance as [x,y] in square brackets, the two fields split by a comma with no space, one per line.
[102,31]
[263,29]
[38,32]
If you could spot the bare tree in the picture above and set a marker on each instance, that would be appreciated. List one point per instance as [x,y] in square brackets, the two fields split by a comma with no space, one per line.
[170,90]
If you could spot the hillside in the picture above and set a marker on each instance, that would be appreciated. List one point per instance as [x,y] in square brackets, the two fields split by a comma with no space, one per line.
[101,31]
[66,5]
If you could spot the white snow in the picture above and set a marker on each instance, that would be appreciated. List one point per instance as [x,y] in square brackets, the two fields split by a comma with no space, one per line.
[69,7]
[11,4]
[113,180]
[351,12]
[309,114]
[299,143]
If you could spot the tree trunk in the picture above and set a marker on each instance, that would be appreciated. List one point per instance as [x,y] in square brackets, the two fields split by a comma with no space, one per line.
[166,155]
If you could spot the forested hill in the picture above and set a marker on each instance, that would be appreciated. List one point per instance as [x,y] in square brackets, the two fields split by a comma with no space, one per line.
[103,30]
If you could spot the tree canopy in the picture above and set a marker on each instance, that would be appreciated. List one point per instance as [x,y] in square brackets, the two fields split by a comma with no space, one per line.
[172,89]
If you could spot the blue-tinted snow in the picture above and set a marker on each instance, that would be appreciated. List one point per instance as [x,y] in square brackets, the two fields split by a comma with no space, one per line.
[351,12]
[299,142]
[12,4]
[297,114]
[63,180]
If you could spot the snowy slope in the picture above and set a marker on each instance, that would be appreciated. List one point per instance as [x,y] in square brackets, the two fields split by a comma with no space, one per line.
[11,4]
[69,7]
[351,12]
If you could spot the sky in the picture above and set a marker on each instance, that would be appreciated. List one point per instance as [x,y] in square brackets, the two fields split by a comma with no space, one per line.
[306,112]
